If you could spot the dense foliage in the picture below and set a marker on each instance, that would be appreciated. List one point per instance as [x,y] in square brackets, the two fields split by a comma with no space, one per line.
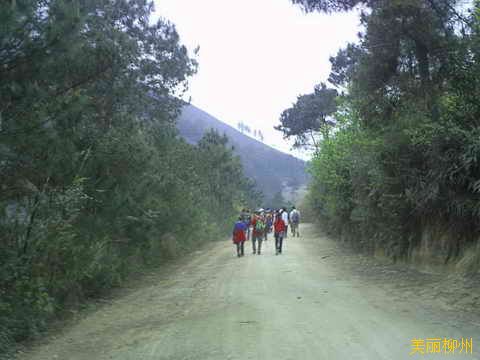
[309,117]
[404,155]
[93,177]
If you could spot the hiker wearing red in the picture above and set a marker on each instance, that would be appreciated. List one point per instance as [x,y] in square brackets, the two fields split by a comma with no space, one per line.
[238,236]
[279,231]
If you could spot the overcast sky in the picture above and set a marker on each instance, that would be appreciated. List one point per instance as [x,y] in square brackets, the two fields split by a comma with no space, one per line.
[256,56]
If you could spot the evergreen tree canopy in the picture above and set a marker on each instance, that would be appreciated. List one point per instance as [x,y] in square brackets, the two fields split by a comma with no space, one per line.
[93,178]
[309,115]
[403,156]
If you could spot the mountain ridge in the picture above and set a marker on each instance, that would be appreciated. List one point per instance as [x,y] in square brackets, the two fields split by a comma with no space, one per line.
[273,170]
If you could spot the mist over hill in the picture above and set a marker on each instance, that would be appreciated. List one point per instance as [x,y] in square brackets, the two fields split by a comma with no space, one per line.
[273,170]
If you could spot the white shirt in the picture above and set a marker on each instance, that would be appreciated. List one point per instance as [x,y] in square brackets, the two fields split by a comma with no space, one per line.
[293,212]
[285,217]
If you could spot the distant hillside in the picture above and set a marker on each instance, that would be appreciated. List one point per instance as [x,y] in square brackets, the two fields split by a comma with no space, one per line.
[273,170]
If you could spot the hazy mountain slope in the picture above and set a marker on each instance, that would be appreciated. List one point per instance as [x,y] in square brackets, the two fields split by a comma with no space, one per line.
[273,170]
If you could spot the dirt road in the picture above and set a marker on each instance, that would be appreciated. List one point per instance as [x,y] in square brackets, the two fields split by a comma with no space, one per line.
[303,304]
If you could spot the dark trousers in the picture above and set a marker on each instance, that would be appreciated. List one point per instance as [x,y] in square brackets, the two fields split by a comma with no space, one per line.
[278,242]
[286,231]
[295,230]
[240,247]
[256,238]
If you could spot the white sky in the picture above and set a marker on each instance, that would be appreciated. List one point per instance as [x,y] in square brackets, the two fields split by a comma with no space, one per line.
[256,56]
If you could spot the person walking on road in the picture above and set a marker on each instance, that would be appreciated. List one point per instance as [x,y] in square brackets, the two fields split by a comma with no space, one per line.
[258,228]
[295,221]
[268,223]
[279,232]
[285,220]
[238,236]
[246,217]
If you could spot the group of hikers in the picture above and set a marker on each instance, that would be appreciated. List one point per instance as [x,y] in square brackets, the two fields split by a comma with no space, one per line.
[257,225]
